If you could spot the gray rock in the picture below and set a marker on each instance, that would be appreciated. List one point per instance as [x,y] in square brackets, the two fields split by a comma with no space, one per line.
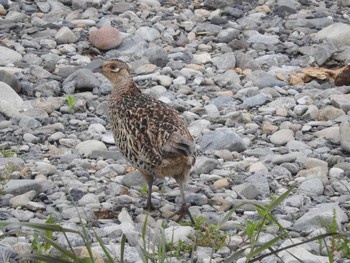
[38,114]
[45,168]
[222,138]
[28,137]
[11,160]
[148,34]
[225,61]
[201,58]
[23,199]
[227,35]
[48,88]
[89,198]
[319,216]
[311,113]
[41,73]
[10,102]
[212,111]
[17,187]
[281,137]
[336,34]
[295,145]
[260,182]
[343,2]
[204,165]
[268,61]
[311,186]
[81,79]
[196,199]
[256,37]
[22,215]
[254,101]
[228,78]
[56,136]
[133,178]
[9,78]
[341,101]
[247,190]
[297,201]
[282,102]
[321,53]
[31,123]
[157,56]
[65,36]
[86,148]
[245,61]
[345,136]
[208,28]
[9,56]
[76,193]
[290,3]
[263,79]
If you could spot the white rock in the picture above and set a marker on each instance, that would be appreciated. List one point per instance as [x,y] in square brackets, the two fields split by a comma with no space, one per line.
[10,102]
[85,148]
[45,168]
[301,252]
[22,200]
[345,136]
[9,56]
[201,58]
[282,136]
[175,233]
[89,199]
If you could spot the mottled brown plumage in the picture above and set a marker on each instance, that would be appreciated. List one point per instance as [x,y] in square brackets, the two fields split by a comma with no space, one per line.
[148,132]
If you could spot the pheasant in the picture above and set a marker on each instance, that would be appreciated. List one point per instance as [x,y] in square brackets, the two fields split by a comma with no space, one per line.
[148,132]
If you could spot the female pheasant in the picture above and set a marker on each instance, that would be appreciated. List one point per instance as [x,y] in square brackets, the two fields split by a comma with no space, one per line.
[148,132]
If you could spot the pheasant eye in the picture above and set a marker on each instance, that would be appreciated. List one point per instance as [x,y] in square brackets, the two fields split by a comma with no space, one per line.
[114,68]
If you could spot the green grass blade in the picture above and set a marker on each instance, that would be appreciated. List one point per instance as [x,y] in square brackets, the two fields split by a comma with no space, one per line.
[267,245]
[238,254]
[43,258]
[294,245]
[226,218]
[105,250]
[39,226]
[280,199]
[162,248]
[67,253]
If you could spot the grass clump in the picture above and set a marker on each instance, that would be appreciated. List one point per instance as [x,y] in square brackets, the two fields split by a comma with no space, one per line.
[6,153]
[71,102]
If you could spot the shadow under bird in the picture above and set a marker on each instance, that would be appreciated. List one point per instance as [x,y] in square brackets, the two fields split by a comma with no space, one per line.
[148,132]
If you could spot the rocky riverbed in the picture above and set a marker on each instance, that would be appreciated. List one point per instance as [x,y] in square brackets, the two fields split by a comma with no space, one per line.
[235,71]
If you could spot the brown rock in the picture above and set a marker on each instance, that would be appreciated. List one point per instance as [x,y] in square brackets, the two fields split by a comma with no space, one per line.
[106,38]
[329,113]
[343,78]
[222,183]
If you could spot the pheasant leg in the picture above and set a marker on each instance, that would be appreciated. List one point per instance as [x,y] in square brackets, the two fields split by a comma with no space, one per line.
[149,205]
[184,209]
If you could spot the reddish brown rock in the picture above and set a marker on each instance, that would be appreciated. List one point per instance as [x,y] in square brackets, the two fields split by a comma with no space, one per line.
[106,38]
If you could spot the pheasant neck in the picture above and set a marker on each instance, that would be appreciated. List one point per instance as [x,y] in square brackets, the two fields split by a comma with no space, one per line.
[123,85]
